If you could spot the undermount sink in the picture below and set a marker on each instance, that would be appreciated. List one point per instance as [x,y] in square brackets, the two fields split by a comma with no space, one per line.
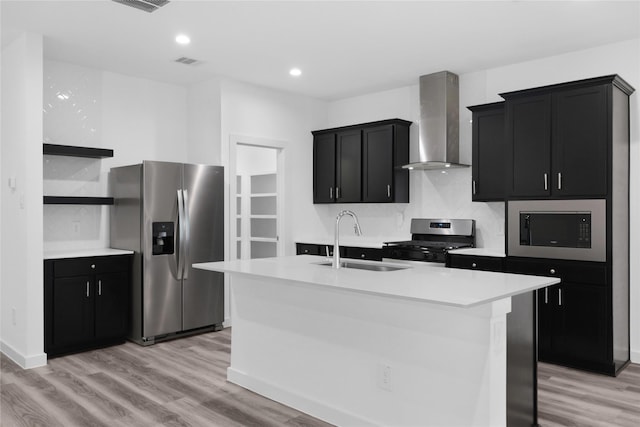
[363,266]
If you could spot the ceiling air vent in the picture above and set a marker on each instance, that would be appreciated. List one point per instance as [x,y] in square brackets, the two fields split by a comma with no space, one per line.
[186,61]
[146,5]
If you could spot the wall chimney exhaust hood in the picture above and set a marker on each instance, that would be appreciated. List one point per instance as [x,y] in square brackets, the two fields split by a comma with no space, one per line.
[439,128]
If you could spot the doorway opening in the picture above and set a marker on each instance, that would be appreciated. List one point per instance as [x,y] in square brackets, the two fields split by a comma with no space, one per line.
[257,198]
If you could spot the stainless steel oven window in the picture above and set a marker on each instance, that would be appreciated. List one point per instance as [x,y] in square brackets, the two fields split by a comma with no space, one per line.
[597,209]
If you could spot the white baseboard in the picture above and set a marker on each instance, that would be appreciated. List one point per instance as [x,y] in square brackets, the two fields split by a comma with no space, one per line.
[635,356]
[25,362]
[301,403]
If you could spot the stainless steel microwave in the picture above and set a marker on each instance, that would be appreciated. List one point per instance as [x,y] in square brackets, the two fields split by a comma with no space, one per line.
[557,229]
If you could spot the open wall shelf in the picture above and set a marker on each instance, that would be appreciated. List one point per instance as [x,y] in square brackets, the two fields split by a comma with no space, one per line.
[66,200]
[68,150]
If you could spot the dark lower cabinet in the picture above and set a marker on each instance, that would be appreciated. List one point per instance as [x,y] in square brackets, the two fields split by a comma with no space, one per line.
[352,252]
[575,318]
[573,324]
[86,302]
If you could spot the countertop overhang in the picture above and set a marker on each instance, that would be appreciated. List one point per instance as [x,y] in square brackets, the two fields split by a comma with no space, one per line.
[426,282]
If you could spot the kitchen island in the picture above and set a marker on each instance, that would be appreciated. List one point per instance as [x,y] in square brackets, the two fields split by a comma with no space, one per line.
[418,346]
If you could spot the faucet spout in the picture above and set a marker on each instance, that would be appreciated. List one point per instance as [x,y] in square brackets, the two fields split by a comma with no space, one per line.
[336,243]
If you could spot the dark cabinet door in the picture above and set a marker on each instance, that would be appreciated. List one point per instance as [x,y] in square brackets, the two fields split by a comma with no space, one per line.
[378,164]
[581,331]
[529,133]
[579,157]
[488,156]
[111,305]
[324,168]
[72,311]
[349,166]
[546,321]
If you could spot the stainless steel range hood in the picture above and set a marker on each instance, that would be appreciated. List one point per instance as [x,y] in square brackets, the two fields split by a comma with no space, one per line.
[438,147]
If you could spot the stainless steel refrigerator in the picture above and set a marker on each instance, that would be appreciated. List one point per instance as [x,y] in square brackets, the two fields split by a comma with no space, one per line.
[171,215]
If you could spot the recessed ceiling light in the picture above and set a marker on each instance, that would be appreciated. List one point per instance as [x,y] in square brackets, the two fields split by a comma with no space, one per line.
[183,39]
[295,72]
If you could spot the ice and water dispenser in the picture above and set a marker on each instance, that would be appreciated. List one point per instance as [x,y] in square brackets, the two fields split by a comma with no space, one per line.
[163,238]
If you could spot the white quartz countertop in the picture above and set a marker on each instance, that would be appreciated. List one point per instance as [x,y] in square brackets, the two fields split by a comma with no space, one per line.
[79,253]
[478,252]
[428,282]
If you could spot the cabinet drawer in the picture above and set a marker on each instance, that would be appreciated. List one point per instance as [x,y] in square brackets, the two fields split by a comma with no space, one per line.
[374,254]
[309,249]
[473,262]
[90,265]
[570,271]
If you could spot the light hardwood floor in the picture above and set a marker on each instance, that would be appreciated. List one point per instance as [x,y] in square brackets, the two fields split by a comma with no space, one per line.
[183,383]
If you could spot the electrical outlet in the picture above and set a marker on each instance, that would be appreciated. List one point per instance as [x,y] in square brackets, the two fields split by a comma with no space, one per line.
[384,376]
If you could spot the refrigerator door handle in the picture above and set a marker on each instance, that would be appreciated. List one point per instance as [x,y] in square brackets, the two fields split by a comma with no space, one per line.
[180,243]
[186,242]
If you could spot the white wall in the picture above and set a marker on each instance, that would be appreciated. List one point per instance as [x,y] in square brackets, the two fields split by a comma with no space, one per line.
[22,326]
[268,114]
[139,119]
[203,123]
[448,194]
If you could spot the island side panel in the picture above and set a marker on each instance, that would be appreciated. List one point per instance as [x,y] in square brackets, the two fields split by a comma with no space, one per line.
[356,358]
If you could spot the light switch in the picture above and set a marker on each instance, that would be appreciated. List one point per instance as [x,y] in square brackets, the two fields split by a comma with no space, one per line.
[12,182]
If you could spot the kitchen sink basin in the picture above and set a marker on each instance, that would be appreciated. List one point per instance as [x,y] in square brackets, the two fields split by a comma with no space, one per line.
[363,266]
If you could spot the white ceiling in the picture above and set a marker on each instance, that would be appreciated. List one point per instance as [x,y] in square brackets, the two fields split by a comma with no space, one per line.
[344,48]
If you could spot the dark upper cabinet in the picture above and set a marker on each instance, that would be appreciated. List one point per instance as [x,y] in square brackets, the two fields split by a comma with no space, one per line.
[560,138]
[528,132]
[348,166]
[488,158]
[362,163]
[324,168]
[579,135]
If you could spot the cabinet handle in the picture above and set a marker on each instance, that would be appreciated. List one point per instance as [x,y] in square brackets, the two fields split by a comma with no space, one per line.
[552,271]
[474,265]
[559,296]
[559,180]
[87,289]
[326,250]
[337,192]
[546,182]
[546,295]
[363,256]
[473,185]
[388,190]
[331,193]
[99,287]
[93,266]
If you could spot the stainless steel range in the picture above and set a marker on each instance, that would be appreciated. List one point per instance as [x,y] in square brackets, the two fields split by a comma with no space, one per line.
[431,239]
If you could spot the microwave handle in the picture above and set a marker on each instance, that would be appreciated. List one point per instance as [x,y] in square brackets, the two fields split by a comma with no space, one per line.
[525,230]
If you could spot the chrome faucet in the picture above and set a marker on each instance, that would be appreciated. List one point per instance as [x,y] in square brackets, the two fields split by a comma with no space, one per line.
[336,244]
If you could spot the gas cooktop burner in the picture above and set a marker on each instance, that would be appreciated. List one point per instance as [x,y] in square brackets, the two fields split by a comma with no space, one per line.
[432,239]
